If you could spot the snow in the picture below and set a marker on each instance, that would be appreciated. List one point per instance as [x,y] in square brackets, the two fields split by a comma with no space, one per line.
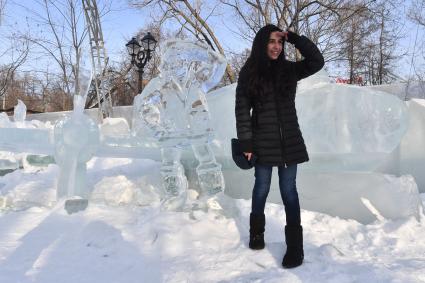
[114,127]
[133,241]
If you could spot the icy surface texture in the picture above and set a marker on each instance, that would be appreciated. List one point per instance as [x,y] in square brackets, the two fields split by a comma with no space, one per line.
[411,158]
[8,160]
[364,197]
[21,136]
[346,128]
[76,139]
[172,109]
[81,85]
[349,119]
[321,77]
[20,112]
[349,127]
[114,127]
[5,121]
[35,137]
[174,181]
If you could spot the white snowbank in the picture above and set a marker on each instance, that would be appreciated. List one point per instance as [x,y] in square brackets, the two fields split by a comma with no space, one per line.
[134,244]
[130,240]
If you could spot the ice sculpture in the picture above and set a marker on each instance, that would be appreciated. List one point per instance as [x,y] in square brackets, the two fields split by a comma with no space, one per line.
[19,113]
[8,160]
[349,128]
[346,128]
[172,109]
[76,140]
[393,198]
[5,121]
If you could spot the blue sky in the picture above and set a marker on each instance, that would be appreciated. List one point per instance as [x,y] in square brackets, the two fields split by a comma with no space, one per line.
[123,22]
[118,26]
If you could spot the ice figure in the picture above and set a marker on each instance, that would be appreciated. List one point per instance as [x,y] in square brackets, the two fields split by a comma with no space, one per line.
[172,109]
[76,140]
[5,121]
[19,114]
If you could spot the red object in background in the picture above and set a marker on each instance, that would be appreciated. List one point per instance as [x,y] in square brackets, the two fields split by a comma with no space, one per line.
[342,81]
[357,80]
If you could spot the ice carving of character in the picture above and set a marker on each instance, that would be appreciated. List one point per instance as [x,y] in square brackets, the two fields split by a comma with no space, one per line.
[76,139]
[173,110]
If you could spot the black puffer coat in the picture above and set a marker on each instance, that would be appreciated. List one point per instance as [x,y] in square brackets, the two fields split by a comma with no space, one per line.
[272,131]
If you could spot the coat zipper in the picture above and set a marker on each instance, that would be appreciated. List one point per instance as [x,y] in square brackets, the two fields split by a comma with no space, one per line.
[282,145]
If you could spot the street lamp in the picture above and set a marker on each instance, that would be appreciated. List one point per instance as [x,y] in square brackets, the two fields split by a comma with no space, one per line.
[140,52]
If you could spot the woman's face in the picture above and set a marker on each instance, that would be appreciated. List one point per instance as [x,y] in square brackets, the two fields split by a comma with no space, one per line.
[274,47]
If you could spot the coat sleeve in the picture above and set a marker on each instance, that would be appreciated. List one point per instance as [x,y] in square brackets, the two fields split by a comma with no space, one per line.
[243,107]
[313,60]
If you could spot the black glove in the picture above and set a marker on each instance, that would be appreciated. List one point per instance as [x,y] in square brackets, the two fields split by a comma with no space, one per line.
[292,37]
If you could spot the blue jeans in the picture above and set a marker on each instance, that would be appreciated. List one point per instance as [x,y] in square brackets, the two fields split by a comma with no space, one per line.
[288,191]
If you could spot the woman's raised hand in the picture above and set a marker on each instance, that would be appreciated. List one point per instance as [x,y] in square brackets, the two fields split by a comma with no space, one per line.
[283,34]
[248,155]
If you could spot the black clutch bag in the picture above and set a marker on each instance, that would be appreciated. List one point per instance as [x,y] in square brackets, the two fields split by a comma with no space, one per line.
[239,158]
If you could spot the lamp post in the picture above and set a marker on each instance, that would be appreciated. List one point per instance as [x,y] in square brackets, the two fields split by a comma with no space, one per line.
[141,53]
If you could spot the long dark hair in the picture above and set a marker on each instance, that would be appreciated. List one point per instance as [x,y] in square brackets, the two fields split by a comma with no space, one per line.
[259,68]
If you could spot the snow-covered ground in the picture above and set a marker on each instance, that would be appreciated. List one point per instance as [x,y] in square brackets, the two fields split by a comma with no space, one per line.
[130,240]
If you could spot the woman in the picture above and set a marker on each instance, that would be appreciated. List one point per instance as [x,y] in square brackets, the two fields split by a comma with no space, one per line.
[267,85]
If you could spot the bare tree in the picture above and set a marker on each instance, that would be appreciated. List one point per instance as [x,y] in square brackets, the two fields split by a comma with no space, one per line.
[416,76]
[17,52]
[125,75]
[236,61]
[353,51]
[319,20]
[417,12]
[58,33]
[192,16]
[63,42]
[2,8]
[387,35]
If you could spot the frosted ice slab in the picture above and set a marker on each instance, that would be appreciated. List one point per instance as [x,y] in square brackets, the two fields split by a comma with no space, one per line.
[345,128]
[349,127]
[20,112]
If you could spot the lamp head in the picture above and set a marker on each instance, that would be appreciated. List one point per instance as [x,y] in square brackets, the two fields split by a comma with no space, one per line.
[133,47]
[149,42]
